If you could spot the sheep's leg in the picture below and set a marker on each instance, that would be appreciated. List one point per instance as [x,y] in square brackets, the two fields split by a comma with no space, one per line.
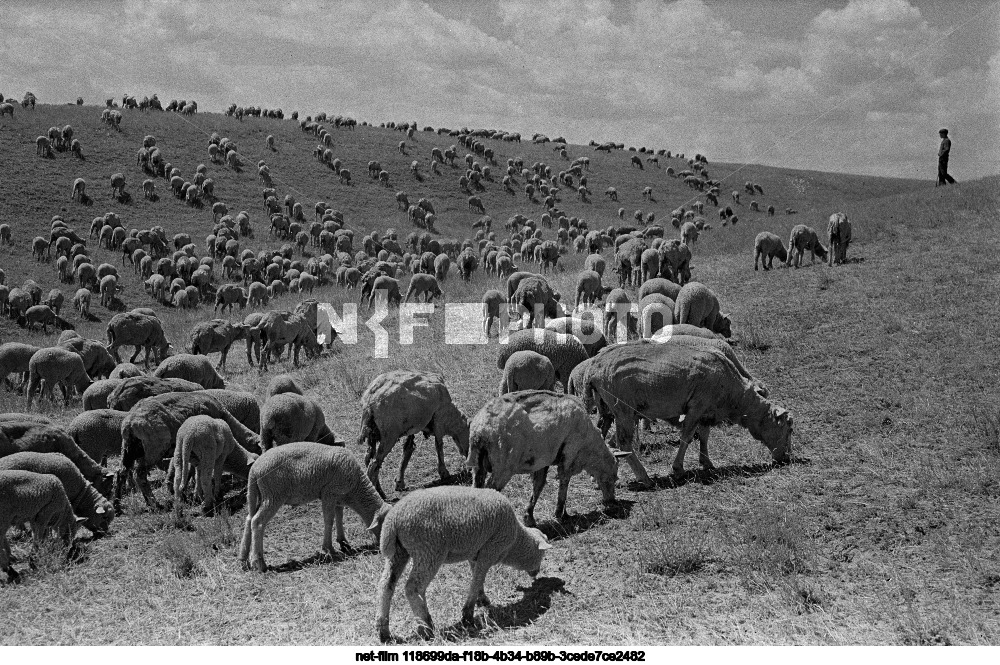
[330,515]
[222,360]
[391,573]
[408,447]
[702,434]
[141,476]
[564,476]
[477,594]
[416,594]
[373,468]
[537,483]
[264,514]
[439,448]
[686,435]
[624,432]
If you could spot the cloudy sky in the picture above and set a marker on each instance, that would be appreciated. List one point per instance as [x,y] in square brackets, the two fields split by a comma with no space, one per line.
[859,86]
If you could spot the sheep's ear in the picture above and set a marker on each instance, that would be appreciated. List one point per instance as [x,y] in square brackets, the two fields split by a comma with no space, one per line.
[100,510]
[80,520]
[621,453]
[544,545]
[780,413]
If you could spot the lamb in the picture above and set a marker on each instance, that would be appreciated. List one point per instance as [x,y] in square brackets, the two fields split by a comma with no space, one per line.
[196,369]
[14,358]
[803,238]
[493,301]
[23,435]
[96,394]
[211,441]
[216,335]
[131,390]
[98,433]
[38,498]
[698,305]
[88,504]
[42,315]
[79,190]
[241,405]
[56,365]
[401,403]
[150,429]
[700,384]
[588,288]
[288,417]
[529,431]
[564,351]
[283,383]
[81,300]
[527,370]
[449,525]
[689,233]
[423,284]
[768,246]
[301,472]
[838,233]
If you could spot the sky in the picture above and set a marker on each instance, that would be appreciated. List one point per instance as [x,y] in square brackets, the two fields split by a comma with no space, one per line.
[859,86]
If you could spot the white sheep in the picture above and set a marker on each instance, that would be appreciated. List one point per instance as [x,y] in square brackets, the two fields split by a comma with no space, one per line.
[527,370]
[767,246]
[38,498]
[801,239]
[449,525]
[301,472]
[210,441]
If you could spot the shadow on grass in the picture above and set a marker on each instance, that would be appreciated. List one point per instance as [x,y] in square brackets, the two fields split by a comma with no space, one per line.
[711,476]
[323,558]
[572,525]
[535,602]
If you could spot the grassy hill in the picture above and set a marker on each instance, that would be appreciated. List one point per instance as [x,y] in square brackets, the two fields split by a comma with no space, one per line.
[882,531]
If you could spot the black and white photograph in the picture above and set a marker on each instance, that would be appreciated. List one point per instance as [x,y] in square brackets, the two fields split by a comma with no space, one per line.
[512,330]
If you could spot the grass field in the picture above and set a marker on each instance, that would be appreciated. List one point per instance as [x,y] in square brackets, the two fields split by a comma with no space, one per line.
[882,531]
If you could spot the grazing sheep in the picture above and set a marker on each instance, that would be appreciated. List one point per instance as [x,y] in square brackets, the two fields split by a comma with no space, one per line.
[117,185]
[22,435]
[134,389]
[527,370]
[288,417]
[655,311]
[241,405]
[39,315]
[698,305]
[190,367]
[493,301]
[588,289]
[79,190]
[838,233]
[529,431]
[96,511]
[803,238]
[768,246]
[214,336]
[211,442]
[587,330]
[701,338]
[14,358]
[125,371]
[659,285]
[402,403]
[283,383]
[56,365]
[96,359]
[301,472]
[564,351]
[98,433]
[96,395]
[689,233]
[423,285]
[671,381]
[150,429]
[38,498]
[140,331]
[449,525]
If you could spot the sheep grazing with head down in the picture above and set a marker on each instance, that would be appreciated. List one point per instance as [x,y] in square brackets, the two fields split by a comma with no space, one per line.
[565,351]
[402,403]
[288,417]
[531,430]
[193,368]
[698,305]
[283,383]
[527,370]
[209,441]
[38,498]
[98,433]
[768,246]
[96,511]
[838,233]
[450,525]
[301,472]
[802,239]
[27,433]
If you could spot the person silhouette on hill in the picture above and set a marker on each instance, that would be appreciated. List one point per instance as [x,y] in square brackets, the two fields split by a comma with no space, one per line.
[943,152]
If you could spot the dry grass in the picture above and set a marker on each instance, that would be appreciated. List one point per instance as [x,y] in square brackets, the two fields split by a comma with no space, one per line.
[881,532]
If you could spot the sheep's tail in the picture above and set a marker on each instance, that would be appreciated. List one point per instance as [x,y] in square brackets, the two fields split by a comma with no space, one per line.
[389,542]
[369,435]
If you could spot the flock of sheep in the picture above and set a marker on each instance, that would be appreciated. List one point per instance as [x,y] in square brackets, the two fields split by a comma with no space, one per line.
[656,349]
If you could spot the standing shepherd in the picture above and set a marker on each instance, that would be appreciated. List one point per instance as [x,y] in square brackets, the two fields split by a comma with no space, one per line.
[943,151]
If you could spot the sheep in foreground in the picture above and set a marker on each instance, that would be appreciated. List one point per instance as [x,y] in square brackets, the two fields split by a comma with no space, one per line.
[283,383]
[150,429]
[701,341]
[402,403]
[529,431]
[803,238]
[56,365]
[674,381]
[289,417]
[564,351]
[96,511]
[38,498]
[196,369]
[768,246]
[698,305]
[98,433]
[527,370]
[838,233]
[23,435]
[449,525]
[210,441]
[298,473]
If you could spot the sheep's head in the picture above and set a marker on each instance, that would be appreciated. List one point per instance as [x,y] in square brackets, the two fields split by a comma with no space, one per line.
[775,432]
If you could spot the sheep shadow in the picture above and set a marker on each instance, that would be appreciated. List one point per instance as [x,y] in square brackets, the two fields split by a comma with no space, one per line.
[124,198]
[462,478]
[323,558]
[418,177]
[91,318]
[712,476]
[153,198]
[574,524]
[535,602]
